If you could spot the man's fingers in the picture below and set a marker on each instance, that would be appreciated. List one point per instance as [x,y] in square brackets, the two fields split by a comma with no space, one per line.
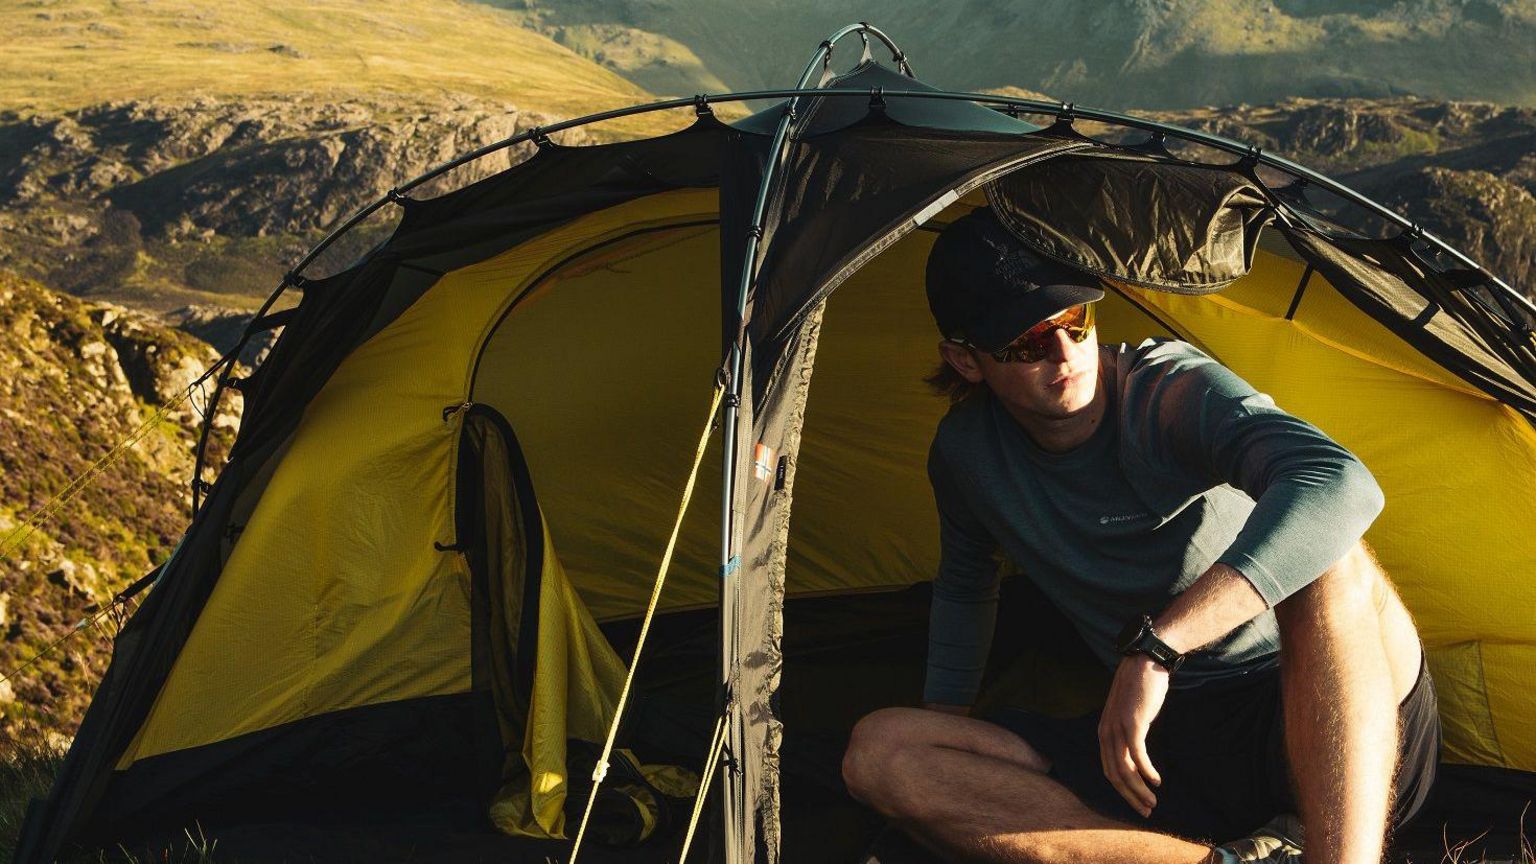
[1143,761]
[1142,799]
[1120,770]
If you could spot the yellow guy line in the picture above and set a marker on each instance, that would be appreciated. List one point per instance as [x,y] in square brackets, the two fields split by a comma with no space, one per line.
[601,771]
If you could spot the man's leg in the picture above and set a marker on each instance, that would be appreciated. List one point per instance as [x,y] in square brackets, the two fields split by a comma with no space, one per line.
[1349,654]
[979,792]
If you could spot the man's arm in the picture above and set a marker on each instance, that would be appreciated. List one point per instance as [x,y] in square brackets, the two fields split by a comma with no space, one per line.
[964,607]
[1217,603]
[1312,498]
[1312,501]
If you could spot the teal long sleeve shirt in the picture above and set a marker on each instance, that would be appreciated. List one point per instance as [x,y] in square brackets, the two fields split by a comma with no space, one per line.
[1190,467]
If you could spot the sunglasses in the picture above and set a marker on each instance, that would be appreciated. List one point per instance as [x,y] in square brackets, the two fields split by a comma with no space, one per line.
[1036,342]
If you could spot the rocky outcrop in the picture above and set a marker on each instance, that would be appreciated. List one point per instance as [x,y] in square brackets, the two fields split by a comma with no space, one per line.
[76,380]
[163,204]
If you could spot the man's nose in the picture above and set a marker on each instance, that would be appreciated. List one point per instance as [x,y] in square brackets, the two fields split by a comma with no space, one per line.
[1061,345]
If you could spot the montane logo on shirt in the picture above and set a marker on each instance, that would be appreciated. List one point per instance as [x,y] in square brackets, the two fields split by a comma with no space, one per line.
[1110,520]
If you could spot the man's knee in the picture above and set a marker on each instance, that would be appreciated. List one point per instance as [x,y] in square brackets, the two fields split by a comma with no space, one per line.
[1355,581]
[872,748]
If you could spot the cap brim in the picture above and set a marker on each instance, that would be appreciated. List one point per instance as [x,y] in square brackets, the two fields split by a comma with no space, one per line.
[1014,313]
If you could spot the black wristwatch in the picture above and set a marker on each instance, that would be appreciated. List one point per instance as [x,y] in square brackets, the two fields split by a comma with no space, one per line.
[1139,637]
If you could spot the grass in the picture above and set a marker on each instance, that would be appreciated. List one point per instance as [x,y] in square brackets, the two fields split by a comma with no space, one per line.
[27,769]
[66,54]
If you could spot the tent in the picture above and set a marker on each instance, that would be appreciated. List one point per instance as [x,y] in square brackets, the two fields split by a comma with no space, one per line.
[418,578]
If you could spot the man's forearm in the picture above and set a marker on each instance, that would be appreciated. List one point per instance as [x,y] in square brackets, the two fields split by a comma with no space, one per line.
[1220,601]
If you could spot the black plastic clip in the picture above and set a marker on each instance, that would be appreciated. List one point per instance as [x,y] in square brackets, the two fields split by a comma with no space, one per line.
[826,45]
[1066,115]
[789,111]
[293,280]
[755,232]
[732,400]
[1156,143]
[236,384]
[395,196]
[900,59]
[1251,159]
[451,410]
[449,547]
[877,98]
[232,531]
[701,105]
[1011,110]
[540,138]
[202,486]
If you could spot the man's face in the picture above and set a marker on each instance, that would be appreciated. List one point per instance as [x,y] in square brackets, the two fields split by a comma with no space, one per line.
[1057,386]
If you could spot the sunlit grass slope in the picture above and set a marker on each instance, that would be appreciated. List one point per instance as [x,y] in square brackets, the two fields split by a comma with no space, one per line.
[65,54]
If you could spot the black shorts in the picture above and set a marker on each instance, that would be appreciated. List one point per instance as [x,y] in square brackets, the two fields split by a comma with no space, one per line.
[1220,749]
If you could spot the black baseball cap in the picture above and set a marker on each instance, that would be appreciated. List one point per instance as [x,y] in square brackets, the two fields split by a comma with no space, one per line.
[986,287]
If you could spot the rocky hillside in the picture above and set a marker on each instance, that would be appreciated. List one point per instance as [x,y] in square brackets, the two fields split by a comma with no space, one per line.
[1464,170]
[165,204]
[75,379]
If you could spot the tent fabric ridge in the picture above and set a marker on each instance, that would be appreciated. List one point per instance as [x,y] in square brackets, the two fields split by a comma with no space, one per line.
[533,283]
[903,225]
[1482,689]
[1301,287]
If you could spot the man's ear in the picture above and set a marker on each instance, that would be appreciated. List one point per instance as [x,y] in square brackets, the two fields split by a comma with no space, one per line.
[962,359]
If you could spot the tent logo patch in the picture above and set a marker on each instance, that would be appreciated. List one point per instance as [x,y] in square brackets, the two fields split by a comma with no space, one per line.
[762,462]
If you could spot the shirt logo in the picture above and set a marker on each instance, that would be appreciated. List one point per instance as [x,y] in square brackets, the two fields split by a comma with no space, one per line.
[1110,520]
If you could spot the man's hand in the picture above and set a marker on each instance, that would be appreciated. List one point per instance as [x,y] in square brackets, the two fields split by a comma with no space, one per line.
[1135,698]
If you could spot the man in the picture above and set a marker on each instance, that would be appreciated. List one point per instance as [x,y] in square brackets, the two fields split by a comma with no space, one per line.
[1207,547]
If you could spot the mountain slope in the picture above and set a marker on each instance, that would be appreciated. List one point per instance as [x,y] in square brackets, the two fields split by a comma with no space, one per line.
[1114,54]
[65,54]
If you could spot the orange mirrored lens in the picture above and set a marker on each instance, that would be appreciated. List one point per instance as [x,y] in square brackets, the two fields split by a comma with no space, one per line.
[1035,344]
